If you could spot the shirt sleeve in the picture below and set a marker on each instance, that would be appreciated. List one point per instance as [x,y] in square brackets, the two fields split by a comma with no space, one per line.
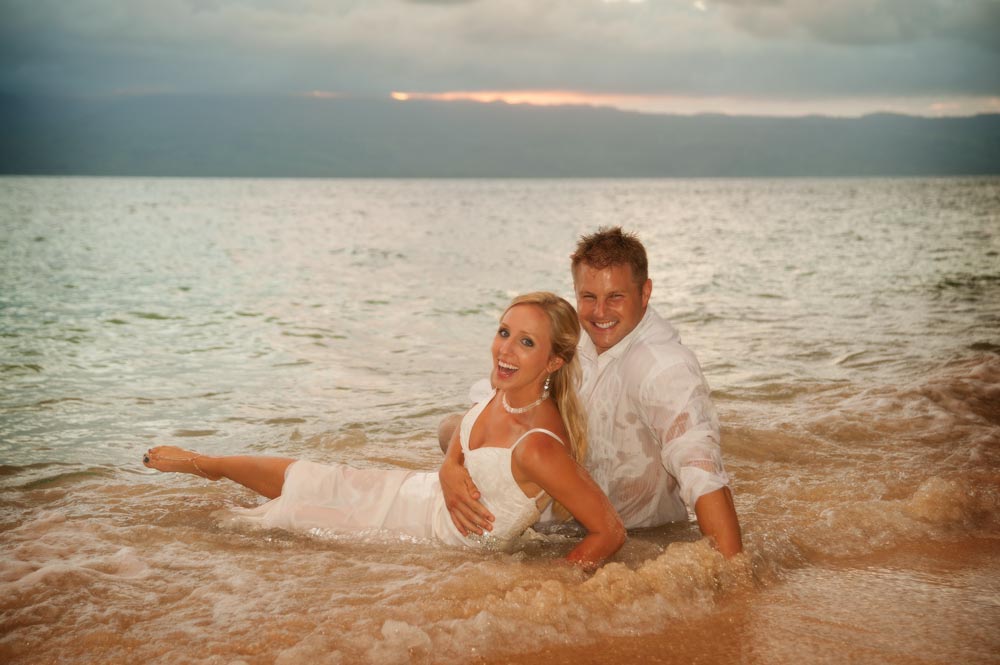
[678,410]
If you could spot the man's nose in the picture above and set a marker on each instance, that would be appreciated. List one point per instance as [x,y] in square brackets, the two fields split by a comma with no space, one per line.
[599,309]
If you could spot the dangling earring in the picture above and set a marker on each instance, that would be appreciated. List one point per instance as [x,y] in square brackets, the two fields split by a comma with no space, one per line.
[548,384]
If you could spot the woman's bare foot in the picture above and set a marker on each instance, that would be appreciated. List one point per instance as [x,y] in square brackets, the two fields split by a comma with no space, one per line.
[174,459]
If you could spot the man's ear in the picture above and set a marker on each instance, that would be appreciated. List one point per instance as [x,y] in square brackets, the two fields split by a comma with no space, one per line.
[647,290]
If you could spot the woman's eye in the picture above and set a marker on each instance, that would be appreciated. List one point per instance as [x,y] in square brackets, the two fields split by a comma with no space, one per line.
[503,332]
[527,342]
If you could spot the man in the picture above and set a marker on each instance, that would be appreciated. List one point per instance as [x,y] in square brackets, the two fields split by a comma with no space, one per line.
[652,430]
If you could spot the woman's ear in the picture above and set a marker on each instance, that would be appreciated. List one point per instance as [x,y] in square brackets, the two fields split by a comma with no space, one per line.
[555,363]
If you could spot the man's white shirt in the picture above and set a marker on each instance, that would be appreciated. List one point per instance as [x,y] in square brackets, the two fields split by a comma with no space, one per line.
[653,434]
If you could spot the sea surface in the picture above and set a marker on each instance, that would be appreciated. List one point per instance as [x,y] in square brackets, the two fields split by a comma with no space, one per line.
[850,330]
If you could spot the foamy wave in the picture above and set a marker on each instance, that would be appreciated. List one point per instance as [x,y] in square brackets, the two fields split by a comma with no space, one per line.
[552,605]
[845,471]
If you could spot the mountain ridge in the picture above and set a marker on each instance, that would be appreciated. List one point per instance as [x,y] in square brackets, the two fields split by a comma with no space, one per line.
[216,136]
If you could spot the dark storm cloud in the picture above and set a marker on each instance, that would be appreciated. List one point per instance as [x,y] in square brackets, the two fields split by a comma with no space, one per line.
[866,23]
[786,48]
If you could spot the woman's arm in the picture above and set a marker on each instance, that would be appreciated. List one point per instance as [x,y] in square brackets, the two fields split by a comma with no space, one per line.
[545,462]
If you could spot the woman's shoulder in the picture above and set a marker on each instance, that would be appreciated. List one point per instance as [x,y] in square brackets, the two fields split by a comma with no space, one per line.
[545,438]
[541,458]
[550,421]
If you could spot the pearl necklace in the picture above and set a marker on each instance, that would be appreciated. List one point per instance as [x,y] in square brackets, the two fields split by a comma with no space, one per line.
[522,409]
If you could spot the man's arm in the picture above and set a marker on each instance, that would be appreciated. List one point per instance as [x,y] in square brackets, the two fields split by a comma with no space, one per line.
[684,420]
[717,519]
[461,495]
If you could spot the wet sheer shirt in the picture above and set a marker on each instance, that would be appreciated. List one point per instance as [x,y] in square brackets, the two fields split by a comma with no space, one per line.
[653,432]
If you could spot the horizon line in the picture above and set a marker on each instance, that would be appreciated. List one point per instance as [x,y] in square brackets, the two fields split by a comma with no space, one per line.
[648,105]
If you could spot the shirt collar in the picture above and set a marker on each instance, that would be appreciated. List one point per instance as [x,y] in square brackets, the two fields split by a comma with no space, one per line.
[588,349]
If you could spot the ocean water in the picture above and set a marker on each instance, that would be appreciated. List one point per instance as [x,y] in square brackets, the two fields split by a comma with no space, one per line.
[850,330]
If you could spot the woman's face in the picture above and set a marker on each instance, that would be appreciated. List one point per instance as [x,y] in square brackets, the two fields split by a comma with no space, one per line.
[522,351]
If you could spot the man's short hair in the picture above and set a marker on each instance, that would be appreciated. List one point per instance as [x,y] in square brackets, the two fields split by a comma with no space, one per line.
[611,246]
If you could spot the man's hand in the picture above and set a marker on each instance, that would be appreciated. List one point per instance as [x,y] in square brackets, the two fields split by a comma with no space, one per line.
[461,496]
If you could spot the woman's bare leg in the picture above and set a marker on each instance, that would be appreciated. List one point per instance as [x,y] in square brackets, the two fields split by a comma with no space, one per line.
[264,475]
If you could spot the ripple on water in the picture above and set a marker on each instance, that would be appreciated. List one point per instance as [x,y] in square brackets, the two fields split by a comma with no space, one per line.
[194,433]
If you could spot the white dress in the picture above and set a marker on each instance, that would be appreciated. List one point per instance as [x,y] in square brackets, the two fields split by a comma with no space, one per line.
[327,499]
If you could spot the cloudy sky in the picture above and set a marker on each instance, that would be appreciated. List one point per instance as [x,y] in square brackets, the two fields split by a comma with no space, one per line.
[766,57]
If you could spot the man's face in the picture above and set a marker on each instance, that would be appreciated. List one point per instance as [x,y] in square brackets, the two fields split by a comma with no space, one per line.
[609,302]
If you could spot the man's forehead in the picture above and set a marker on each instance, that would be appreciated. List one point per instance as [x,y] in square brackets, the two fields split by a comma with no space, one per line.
[616,275]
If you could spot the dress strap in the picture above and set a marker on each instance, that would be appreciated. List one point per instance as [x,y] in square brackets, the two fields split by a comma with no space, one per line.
[521,438]
[532,431]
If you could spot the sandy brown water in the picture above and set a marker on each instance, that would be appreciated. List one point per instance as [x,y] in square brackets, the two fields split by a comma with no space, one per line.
[920,606]
[848,328]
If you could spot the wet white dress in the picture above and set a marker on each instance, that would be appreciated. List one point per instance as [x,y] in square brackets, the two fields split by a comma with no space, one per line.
[327,499]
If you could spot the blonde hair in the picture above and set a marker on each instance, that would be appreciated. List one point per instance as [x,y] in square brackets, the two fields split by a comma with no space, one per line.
[565,333]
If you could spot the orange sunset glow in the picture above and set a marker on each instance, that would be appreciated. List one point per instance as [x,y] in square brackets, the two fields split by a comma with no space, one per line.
[533,97]
[723,104]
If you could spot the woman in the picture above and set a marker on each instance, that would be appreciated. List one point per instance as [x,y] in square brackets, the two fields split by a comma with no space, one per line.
[523,446]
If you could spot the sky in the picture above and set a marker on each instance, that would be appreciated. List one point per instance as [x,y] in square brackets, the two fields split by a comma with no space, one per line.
[740,57]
